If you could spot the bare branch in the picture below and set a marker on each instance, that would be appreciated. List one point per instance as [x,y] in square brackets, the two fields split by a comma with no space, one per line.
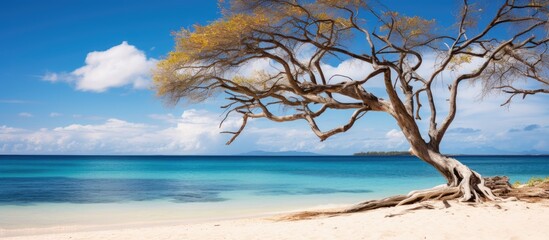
[207,60]
[324,135]
[237,133]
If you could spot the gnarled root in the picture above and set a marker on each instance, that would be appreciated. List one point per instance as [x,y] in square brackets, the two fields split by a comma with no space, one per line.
[463,183]
[364,206]
[440,193]
[471,185]
[437,193]
[470,188]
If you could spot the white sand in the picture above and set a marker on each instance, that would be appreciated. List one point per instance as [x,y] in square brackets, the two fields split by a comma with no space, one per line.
[511,220]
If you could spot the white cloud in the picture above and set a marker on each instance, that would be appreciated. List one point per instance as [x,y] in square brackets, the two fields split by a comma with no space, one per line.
[394,134]
[25,114]
[196,131]
[51,77]
[7,130]
[169,118]
[55,114]
[483,118]
[87,117]
[282,138]
[395,139]
[351,68]
[118,66]
[250,68]
[483,114]
[296,136]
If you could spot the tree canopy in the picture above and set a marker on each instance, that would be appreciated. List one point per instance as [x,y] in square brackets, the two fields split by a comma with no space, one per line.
[499,44]
[206,60]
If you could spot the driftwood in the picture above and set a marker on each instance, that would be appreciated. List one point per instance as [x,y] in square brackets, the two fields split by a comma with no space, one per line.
[500,187]
[499,184]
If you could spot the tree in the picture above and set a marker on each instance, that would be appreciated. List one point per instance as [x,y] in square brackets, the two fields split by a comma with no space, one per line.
[509,46]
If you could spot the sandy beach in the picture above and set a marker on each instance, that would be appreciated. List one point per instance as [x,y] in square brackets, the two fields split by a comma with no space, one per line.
[453,220]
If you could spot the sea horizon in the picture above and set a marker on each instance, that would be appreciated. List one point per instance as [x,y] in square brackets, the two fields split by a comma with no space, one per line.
[268,155]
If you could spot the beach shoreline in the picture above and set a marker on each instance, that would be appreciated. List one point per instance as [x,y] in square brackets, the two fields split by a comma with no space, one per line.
[491,220]
[213,198]
[126,222]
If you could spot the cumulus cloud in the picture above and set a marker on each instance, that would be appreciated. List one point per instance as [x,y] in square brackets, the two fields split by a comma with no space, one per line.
[350,68]
[121,65]
[195,131]
[480,122]
[169,118]
[344,71]
[284,139]
[527,128]
[463,130]
[487,115]
[394,134]
[54,77]
[25,114]
[5,129]
[292,137]
[532,127]
[395,138]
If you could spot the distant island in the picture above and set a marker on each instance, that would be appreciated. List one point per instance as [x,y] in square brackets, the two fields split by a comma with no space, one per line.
[390,153]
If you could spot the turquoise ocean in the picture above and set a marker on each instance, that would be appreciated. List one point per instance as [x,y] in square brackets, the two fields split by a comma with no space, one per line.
[48,191]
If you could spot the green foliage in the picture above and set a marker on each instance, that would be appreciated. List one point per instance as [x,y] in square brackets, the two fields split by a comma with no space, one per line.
[207,58]
[406,29]
[532,182]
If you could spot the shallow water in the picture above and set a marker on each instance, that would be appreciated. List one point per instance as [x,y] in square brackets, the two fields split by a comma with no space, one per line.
[56,190]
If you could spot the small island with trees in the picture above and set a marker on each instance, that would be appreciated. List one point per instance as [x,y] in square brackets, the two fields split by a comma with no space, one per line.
[381,153]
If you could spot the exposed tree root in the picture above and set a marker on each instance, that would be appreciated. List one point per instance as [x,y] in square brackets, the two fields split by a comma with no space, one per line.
[471,185]
[364,206]
[437,193]
[463,183]
[535,193]
[423,206]
[443,192]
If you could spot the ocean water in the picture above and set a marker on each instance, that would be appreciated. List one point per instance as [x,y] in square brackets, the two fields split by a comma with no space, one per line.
[55,190]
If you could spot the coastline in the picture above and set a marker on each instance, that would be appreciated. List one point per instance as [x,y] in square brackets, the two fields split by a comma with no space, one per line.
[454,220]
[150,198]
[62,218]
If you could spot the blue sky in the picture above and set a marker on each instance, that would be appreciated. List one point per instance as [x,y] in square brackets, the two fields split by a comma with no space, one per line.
[59,95]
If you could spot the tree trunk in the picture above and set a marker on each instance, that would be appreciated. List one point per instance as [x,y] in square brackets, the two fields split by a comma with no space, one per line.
[461,180]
